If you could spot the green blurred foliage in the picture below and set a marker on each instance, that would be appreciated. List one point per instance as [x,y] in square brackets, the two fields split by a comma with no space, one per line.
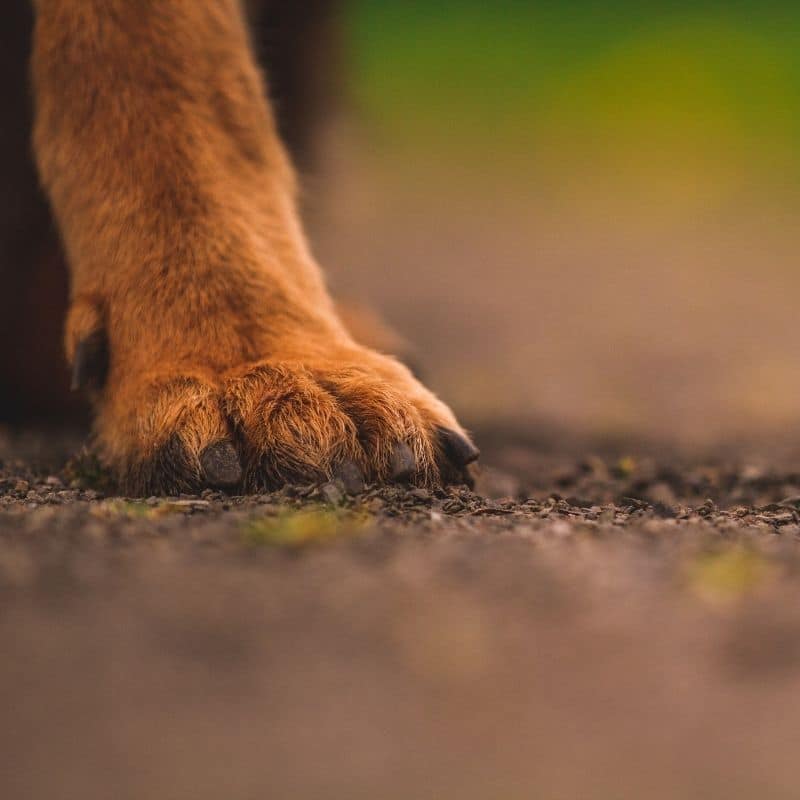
[703,96]
[296,530]
[723,576]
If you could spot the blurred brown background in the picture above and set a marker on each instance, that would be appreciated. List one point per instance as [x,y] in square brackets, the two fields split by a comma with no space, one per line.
[578,215]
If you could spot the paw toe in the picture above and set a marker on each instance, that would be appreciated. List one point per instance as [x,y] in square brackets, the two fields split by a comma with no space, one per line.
[293,431]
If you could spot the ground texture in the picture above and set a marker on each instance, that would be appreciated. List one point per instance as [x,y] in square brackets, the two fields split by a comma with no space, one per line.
[600,620]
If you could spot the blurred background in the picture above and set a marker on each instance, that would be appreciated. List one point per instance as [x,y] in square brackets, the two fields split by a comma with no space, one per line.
[579,214]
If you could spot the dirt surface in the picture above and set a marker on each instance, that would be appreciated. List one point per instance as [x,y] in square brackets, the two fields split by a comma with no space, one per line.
[599,621]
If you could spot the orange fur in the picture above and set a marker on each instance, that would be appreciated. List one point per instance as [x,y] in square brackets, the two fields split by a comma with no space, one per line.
[175,200]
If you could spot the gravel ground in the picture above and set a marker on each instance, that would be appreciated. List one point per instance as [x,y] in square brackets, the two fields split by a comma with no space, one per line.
[597,621]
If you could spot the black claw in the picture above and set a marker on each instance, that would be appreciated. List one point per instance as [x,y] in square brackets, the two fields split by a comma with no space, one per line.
[458,448]
[468,477]
[403,464]
[221,467]
[350,476]
[90,363]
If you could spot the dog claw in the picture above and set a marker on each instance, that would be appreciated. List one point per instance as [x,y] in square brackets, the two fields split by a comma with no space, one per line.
[221,467]
[403,465]
[90,362]
[458,448]
[350,476]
